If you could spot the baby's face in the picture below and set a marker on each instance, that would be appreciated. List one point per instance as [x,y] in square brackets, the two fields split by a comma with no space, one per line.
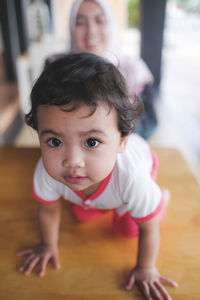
[91,32]
[79,150]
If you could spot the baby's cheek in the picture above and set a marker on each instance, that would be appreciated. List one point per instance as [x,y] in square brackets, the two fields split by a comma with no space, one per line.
[102,170]
[51,166]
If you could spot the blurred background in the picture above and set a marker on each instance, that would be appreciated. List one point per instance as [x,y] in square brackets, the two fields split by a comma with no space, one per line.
[166,34]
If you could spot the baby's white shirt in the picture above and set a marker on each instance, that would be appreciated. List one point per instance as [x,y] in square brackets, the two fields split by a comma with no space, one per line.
[129,188]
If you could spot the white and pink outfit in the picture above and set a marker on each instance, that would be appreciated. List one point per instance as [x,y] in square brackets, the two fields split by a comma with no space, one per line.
[129,190]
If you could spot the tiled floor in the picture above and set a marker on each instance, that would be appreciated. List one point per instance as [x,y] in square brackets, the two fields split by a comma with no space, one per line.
[178,104]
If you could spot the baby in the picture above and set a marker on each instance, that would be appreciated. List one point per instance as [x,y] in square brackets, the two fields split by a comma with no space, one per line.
[84,119]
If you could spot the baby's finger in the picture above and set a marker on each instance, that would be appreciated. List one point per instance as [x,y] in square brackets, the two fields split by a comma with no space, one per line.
[24,252]
[130,283]
[44,262]
[155,292]
[163,291]
[32,265]
[144,287]
[27,262]
[168,281]
[55,262]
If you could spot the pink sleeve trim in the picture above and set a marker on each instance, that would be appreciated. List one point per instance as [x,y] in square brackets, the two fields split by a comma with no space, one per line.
[40,199]
[157,212]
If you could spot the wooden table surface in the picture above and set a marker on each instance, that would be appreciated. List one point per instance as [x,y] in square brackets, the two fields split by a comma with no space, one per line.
[95,262]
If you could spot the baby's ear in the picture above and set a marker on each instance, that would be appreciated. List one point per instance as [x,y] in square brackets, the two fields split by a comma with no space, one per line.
[123,143]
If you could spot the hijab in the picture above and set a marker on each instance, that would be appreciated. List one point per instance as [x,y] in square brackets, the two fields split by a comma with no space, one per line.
[113,48]
[135,71]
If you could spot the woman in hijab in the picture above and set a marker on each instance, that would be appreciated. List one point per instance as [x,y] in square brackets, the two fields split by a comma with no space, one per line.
[93,29]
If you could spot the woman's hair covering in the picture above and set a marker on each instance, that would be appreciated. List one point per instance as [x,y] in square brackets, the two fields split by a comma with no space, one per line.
[136,72]
[113,46]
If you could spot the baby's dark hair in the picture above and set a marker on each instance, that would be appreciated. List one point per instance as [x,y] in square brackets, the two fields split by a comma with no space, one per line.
[77,79]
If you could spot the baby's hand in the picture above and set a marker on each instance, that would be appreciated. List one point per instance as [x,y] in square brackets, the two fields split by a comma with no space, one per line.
[40,254]
[150,283]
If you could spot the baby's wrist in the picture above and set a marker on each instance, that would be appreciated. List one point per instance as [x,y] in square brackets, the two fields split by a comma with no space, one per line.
[49,244]
[145,268]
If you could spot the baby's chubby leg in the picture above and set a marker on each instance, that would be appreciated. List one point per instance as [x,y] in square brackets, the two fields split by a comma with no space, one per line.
[125,226]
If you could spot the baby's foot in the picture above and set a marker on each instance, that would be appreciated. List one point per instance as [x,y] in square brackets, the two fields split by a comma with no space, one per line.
[167,195]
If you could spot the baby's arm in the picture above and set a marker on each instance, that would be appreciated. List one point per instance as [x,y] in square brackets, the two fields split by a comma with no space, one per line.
[49,220]
[145,274]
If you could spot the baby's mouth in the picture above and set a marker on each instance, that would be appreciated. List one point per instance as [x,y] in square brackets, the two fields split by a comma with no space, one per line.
[75,179]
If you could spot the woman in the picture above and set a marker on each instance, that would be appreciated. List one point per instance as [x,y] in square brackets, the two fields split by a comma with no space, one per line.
[93,29]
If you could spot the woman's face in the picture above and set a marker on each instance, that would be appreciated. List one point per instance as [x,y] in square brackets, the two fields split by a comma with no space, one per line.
[91,32]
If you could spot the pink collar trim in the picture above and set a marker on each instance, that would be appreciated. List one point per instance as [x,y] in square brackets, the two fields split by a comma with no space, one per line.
[98,192]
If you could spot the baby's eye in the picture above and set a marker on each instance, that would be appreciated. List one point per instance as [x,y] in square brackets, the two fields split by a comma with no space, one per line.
[91,143]
[53,142]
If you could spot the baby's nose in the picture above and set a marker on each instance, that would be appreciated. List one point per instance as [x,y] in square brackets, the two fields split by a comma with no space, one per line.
[73,160]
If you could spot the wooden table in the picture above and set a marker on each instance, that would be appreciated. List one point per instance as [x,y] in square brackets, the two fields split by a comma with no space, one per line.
[95,263]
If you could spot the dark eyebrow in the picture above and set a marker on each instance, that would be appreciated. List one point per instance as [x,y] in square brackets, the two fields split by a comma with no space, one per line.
[49,131]
[92,131]
[82,133]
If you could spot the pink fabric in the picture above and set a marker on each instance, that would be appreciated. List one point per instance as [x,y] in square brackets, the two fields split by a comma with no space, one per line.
[158,212]
[124,225]
[99,190]
[155,165]
[40,199]
[85,214]
[127,227]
